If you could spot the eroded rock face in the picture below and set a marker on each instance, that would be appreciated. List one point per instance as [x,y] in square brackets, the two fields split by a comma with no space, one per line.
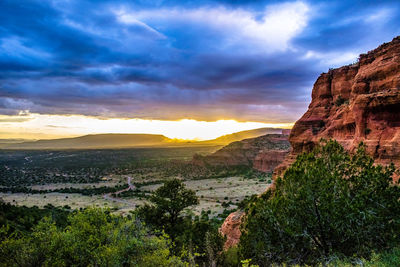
[359,102]
[231,228]
[266,161]
[263,152]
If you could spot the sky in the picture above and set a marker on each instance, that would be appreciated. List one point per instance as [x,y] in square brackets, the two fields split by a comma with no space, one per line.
[70,67]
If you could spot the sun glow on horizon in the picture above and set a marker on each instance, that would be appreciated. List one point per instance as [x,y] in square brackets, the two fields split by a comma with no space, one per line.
[39,126]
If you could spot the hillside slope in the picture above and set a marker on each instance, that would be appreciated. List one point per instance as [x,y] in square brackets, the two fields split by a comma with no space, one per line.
[238,136]
[95,141]
[263,153]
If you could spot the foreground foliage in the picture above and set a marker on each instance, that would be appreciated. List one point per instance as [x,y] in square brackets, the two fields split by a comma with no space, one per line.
[385,259]
[93,237]
[195,238]
[328,203]
[17,221]
[168,203]
[329,209]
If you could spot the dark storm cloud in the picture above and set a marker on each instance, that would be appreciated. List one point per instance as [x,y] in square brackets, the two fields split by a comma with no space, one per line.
[357,26]
[249,60]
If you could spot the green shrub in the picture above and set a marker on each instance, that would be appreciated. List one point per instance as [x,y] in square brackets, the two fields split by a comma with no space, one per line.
[384,259]
[231,257]
[93,237]
[328,203]
[167,205]
[197,239]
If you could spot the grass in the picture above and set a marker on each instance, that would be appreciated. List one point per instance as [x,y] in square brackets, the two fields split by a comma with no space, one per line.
[212,194]
[82,171]
[386,259]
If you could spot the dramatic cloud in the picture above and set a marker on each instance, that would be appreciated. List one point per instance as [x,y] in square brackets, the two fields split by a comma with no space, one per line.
[168,60]
[267,31]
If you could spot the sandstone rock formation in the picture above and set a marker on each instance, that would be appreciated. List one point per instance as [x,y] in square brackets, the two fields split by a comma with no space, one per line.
[266,161]
[231,228]
[359,102]
[263,152]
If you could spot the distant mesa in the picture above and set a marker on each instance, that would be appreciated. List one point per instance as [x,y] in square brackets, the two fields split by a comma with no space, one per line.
[111,141]
[94,141]
[13,141]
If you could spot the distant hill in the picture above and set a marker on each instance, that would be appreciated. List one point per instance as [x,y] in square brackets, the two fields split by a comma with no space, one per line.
[229,138]
[263,153]
[13,141]
[94,141]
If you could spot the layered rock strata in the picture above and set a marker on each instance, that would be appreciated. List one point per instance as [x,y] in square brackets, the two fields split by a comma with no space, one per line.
[353,104]
[263,153]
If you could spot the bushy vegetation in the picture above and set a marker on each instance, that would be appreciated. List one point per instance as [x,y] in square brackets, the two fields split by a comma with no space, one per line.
[17,221]
[30,167]
[173,236]
[328,204]
[19,170]
[389,258]
[71,190]
[168,203]
[330,208]
[93,237]
[197,237]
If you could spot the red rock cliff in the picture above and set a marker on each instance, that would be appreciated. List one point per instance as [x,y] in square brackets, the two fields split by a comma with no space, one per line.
[264,153]
[359,102]
[266,161]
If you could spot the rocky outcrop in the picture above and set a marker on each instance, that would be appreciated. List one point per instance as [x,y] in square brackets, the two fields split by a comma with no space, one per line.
[266,161]
[354,103]
[263,152]
[231,228]
[359,102]
[286,131]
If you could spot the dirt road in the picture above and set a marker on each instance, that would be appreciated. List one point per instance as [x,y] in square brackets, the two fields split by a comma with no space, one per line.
[131,186]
